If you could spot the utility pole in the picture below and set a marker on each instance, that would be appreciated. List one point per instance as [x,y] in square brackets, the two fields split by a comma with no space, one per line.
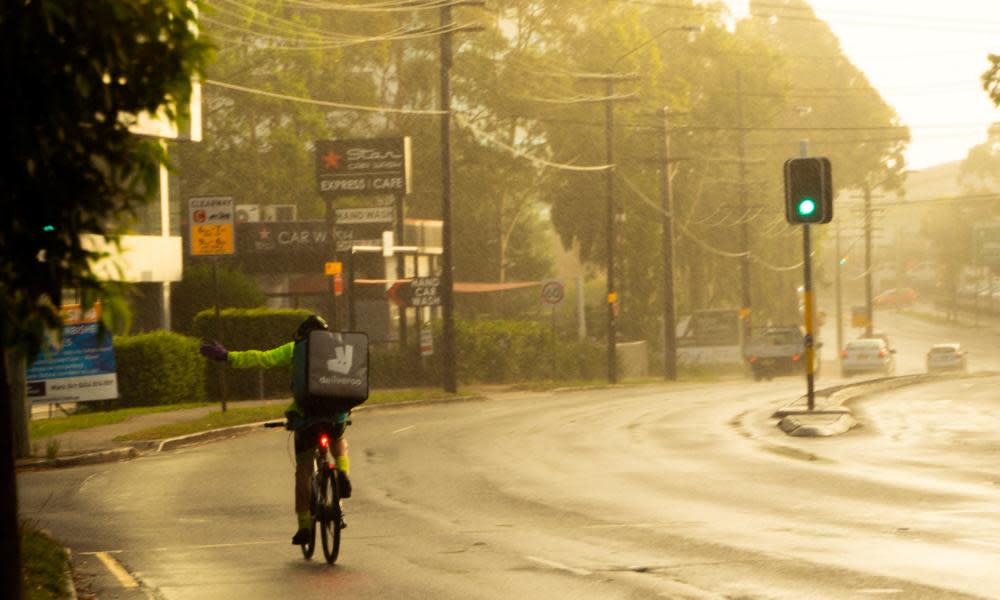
[868,261]
[447,281]
[669,309]
[447,264]
[609,227]
[744,225]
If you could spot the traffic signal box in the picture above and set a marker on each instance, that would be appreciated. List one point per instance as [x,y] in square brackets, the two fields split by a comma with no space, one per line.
[808,191]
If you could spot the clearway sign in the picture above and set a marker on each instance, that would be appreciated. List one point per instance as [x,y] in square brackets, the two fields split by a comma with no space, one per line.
[363,167]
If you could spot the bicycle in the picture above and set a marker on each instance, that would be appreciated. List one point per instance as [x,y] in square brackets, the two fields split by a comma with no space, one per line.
[325,507]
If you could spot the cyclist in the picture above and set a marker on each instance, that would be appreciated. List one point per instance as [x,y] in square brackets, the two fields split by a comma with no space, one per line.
[306,429]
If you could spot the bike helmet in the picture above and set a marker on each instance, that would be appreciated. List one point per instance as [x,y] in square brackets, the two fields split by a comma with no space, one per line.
[311,323]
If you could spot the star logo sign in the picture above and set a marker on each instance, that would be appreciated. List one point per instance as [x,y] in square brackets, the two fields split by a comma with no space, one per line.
[331,160]
[264,234]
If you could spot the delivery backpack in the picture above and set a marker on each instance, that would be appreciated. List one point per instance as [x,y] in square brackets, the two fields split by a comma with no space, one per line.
[330,372]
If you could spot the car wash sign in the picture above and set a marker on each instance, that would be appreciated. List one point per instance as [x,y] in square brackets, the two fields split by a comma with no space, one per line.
[81,369]
[363,167]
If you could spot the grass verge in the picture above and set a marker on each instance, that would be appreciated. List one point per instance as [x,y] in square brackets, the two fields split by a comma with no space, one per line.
[49,427]
[44,565]
[241,416]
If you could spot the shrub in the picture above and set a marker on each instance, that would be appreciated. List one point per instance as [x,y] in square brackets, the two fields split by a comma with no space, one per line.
[195,293]
[158,368]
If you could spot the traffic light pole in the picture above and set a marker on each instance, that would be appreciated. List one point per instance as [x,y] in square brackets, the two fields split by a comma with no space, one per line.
[807,297]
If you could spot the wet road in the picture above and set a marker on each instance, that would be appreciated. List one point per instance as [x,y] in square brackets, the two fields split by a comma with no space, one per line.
[683,491]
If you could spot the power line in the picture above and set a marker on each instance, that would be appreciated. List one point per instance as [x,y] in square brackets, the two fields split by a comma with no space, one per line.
[339,105]
[463,122]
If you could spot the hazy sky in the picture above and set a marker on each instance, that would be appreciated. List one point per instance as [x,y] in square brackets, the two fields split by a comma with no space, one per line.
[925,57]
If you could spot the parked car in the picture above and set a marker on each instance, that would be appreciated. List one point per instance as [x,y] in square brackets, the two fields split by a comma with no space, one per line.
[947,357]
[871,355]
[895,298]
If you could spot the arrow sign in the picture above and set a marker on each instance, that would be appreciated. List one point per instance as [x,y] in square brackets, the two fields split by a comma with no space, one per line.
[401,293]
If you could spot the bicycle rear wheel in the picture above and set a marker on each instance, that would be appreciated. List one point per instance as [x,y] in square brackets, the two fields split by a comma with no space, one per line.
[329,516]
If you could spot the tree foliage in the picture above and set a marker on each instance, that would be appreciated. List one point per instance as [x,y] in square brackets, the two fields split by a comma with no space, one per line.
[991,79]
[528,114]
[78,73]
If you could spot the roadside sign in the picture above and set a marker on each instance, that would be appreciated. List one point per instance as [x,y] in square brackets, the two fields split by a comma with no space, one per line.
[366,167]
[333,268]
[426,342]
[211,220]
[859,316]
[338,284]
[82,369]
[426,291]
[553,291]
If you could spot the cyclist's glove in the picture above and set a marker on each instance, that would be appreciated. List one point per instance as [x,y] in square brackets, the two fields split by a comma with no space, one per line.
[214,351]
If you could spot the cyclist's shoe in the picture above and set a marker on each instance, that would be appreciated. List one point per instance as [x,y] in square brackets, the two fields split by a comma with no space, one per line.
[301,537]
[345,485]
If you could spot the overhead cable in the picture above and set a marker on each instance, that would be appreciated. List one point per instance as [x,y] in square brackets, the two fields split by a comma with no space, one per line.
[339,105]
[518,152]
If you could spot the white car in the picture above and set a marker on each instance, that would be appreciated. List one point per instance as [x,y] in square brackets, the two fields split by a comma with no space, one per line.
[871,355]
[947,357]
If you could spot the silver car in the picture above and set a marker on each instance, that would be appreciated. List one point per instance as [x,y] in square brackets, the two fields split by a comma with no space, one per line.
[947,357]
[867,356]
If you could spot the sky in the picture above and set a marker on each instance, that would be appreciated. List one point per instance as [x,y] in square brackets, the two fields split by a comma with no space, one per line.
[925,57]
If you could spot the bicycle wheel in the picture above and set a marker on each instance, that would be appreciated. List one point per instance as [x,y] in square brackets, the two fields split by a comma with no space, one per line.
[329,515]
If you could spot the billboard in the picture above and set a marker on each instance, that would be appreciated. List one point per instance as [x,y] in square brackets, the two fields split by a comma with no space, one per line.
[81,369]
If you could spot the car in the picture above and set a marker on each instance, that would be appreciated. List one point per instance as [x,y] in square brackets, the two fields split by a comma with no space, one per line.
[867,355]
[947,357]
[895,298]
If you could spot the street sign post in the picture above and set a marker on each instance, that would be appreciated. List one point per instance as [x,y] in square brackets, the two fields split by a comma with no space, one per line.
[211,219]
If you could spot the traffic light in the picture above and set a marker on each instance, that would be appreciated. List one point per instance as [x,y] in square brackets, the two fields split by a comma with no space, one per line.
[808,191]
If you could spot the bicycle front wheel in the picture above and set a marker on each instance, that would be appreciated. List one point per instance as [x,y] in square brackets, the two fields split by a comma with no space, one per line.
[328,514]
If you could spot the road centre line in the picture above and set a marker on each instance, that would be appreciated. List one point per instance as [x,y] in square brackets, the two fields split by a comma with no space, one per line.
[559,566]
[407,428]
[879,591]
[117,570]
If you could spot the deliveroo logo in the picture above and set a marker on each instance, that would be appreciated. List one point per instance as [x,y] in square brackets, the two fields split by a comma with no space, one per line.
[342,361]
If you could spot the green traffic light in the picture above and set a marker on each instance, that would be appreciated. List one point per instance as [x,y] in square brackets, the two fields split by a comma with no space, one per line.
[806,207]
[48,228]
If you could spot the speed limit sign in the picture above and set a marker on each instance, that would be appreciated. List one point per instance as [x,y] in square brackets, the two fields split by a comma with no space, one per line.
[552,291]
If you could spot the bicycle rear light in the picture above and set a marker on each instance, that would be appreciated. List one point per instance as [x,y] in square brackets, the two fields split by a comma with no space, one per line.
[324,441]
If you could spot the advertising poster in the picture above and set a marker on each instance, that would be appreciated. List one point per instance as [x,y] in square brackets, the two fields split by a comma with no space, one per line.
[82,369]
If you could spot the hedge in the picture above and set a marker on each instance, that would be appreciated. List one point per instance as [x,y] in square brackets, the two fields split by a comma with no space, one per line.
[158,368]
[489,351]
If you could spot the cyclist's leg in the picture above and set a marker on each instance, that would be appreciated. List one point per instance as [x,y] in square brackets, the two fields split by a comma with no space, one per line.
[341,457]
[303,475]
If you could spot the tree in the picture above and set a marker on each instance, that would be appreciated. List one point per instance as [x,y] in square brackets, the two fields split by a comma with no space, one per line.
[79,73]
[991,79]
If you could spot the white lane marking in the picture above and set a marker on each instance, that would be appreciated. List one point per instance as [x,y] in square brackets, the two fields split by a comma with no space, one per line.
[403,429]
[559,566]
[980,542]
[117,570]
[880,591]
